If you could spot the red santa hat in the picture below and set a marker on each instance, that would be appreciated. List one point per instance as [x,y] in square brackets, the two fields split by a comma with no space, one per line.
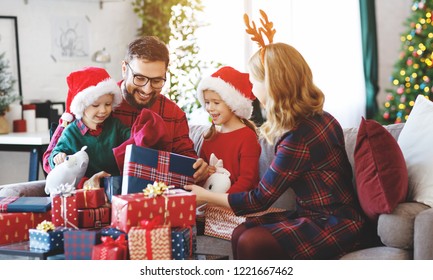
[234,88]
[85,86]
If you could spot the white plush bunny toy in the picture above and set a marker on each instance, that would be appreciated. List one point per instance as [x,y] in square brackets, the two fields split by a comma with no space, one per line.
[217,182]
[220,180]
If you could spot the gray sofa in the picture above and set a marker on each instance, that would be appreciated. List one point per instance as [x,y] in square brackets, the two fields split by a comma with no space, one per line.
[403,234]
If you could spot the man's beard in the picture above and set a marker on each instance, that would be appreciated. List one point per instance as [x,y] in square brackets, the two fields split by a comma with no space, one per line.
[129,97]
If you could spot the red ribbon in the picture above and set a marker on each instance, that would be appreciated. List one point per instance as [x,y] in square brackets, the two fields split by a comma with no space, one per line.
[149,225]
[108,242]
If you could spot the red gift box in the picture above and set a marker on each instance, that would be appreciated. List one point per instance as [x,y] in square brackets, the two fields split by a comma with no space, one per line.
[14,227]
[90,198]
[177,206]
[94,218]
[150,241]
[64,211]
[111,249]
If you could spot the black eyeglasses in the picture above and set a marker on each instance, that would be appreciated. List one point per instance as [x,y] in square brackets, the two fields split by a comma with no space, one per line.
[141,80]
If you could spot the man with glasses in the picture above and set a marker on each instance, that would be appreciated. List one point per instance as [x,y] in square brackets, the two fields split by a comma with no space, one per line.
[144,74]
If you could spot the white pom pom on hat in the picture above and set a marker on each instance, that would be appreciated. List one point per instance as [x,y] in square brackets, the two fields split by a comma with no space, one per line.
[85,86]
[233,86]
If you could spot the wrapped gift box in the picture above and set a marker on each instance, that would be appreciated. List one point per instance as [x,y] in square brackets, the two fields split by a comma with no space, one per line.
[47,240]
[64,211]
[78,244]
[14,227]
[144,166]
[128,210]
[25,204]
[221,221]
[94,218]
[92,198]
[111,249]
[113,232]
[151,243]
[112,186]
[183,242]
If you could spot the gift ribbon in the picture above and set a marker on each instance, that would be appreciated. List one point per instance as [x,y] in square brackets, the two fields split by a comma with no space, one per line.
[148,226]
[45,226]
[64,212]
[85,189]
[109,242]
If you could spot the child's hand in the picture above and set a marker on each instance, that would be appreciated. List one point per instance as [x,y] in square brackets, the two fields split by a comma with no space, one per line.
[59,158]
[201,168]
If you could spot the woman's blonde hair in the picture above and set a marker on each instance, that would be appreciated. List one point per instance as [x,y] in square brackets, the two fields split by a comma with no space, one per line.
[291,93]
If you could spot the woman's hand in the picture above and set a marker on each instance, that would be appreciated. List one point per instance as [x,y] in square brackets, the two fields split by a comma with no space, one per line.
[59,158]
[94,181]
[203,195]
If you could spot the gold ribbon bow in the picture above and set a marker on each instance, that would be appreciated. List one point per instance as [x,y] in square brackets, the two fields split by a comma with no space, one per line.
[157,189]
[45,226]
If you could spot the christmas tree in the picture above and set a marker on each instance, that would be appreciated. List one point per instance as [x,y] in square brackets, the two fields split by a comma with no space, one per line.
[413,72]
[7,82]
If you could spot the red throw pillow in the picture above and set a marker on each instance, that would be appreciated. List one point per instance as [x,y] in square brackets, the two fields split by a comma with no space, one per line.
[380,170]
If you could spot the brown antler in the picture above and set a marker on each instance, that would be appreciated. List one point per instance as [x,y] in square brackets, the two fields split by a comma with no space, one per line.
[267,28]
[256,35]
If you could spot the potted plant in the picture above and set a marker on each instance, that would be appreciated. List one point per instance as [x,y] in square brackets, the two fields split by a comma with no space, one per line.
[7,93]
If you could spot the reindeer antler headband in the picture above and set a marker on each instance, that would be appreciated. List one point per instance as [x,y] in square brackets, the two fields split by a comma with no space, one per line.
[257,34]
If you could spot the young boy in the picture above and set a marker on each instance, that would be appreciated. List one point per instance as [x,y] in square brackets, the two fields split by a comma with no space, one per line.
[92,96]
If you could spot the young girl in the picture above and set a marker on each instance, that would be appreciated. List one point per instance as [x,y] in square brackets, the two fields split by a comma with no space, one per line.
[227,97]
[310,158]
[91,98]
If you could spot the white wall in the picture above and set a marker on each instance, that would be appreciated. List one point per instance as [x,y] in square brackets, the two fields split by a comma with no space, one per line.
[112,27]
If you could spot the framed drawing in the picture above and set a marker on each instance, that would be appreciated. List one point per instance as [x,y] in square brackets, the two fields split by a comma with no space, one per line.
[10,48]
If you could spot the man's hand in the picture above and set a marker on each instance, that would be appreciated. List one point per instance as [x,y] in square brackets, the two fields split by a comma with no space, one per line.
[93,182]
[59,158]
[202,171]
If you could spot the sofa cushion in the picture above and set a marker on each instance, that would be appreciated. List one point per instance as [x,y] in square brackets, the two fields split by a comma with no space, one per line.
[397,228]
[379,253]
[380,170]
[415,141]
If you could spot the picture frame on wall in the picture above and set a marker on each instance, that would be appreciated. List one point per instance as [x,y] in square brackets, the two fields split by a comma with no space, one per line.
[10,47]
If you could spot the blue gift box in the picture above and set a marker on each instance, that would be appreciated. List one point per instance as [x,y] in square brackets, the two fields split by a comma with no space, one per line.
[47,240]
[79,243]
[113,232]
[30,204]
[144,166]
[183,242]
[112,186]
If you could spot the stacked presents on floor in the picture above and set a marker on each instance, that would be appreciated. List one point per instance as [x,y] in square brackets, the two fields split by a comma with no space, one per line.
[142,215]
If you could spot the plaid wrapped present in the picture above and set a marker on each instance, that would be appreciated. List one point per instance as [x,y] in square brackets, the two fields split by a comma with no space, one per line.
[128,210]
[14,227]
[112,186]
[183,242]
[47,239]
[64,211]
[150,241]
[79,243]
[94,218]
[25,204]
[221,221]
[111,249]
[144,166]
[90,198]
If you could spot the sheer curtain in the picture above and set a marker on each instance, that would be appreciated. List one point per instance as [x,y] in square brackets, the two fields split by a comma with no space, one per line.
[330,41]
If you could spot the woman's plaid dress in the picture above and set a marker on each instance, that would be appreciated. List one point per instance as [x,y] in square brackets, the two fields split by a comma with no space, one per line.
[311,160]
